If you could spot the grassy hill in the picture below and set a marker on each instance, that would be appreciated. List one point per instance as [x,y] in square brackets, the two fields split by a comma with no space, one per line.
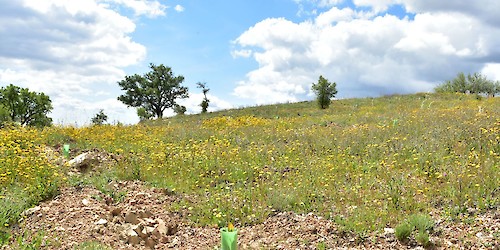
[364,163]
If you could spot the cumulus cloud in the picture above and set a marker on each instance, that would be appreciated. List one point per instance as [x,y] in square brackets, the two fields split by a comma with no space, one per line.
[142,7]
[179,8]
[241,53]
[367,54]
[192,103]
[69,50]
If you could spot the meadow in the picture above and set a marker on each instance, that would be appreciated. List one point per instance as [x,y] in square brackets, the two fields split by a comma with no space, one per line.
[365,163]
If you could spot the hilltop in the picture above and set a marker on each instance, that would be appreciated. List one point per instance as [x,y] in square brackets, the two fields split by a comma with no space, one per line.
[423,168]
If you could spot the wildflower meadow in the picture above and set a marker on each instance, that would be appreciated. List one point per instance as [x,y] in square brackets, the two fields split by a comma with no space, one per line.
[363,163]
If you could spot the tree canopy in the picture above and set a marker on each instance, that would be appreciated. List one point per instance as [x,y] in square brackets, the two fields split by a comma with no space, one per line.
[24,106]
[154,91]
[472,84]
[324,91]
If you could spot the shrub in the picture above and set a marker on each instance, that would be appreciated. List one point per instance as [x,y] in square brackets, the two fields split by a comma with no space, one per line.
[422,223]
[403,231]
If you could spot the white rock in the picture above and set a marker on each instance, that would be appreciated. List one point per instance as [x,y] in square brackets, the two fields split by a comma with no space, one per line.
[101,222]
[31,211]
[389,230]
[85,202]
[77,161]
[161,228]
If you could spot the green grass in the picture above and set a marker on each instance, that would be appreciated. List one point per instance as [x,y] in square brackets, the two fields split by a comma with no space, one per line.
[364,163]
[420,223]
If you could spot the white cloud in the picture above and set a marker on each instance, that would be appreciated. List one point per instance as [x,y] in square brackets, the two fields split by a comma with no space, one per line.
[321,3]
[69,50]
[492,71]
[142,7]
[363,53]
[179,8]
[192,103]
[241,53]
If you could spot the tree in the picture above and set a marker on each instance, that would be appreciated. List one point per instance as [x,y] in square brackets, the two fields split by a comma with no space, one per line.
[155,91]
[472,84]
[26,107]
[324,91]
[99,118]
[4,115]
[144,114]
[179,109]
[204,103]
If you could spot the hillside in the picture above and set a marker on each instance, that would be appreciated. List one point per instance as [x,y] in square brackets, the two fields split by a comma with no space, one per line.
[342,177]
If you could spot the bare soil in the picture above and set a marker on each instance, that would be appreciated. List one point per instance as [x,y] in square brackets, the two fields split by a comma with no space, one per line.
[82,214]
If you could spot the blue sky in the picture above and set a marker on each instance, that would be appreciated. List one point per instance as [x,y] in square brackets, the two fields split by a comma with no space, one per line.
[248,52]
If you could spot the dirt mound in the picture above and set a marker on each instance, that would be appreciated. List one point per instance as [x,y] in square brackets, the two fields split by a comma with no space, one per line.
[140,220]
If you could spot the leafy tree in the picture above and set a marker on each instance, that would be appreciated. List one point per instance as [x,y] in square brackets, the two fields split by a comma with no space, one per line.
[478,84]
[155,91]
[26,107]
[144,114]
[99,118]
[472,84]
[179,109]
[204,103]
[324,91]
[4,114]
[496,89]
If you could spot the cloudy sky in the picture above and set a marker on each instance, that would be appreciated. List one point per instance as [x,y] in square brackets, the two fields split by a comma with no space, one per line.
[248,52]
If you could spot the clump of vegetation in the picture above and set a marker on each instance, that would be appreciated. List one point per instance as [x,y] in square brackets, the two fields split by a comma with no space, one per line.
[179,109]
[472,84]
[422,224]
[204,103]
[99,118]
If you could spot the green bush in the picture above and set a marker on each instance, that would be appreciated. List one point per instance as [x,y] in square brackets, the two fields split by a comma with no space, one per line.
[420,222]
[403,231]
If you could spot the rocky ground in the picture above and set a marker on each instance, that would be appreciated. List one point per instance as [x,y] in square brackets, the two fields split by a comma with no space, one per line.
[139,219]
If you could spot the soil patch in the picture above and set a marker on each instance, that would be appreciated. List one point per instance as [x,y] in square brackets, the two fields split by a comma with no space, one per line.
[141,221]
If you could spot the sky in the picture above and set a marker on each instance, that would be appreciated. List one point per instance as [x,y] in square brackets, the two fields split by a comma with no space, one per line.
[248,52]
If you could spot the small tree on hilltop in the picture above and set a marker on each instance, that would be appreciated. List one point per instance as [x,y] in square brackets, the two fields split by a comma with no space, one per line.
[324,91]
[205,102]
[155,91]
[179,109]
[26,107]
[99,118]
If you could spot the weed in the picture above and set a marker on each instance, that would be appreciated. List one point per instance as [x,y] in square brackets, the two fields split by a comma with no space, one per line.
[423,224]
[321,246]
[403,231]
[28,241]
[423,238]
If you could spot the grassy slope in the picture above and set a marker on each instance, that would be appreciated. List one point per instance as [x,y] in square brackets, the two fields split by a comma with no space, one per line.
[365,163]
